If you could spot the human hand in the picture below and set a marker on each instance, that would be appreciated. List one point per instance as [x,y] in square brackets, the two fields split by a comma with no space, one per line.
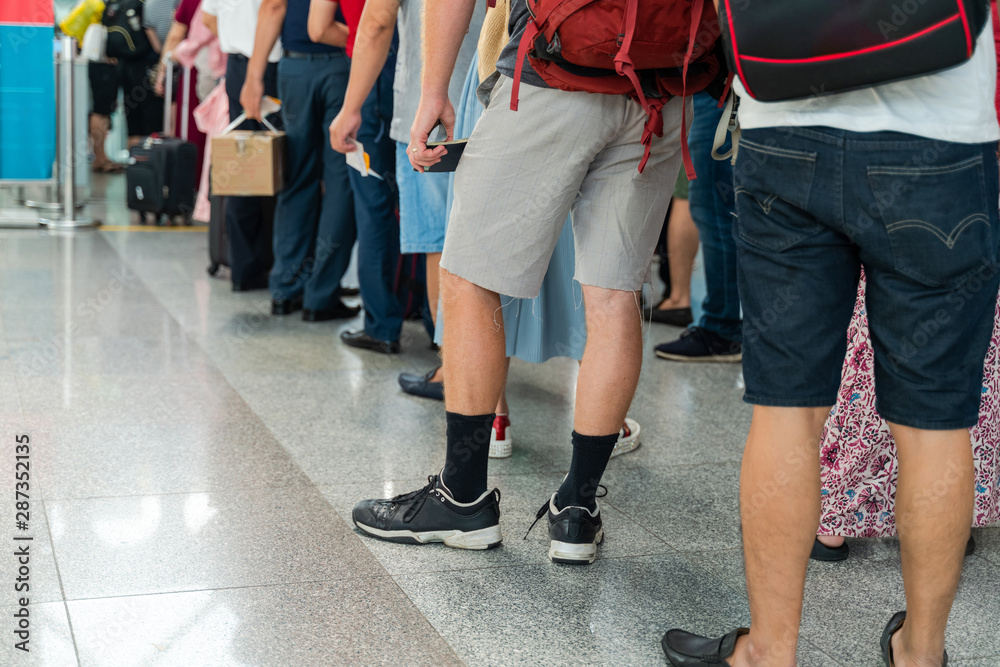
[251,95]
[159,86]
[344,129]
[431,112]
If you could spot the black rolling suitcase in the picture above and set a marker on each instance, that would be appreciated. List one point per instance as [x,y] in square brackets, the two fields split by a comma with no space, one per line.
[161,172]
[218,241]
[218,237]
[161,178]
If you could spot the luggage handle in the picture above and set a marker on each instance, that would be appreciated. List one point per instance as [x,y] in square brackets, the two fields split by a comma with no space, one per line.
[168,98]
[168,95]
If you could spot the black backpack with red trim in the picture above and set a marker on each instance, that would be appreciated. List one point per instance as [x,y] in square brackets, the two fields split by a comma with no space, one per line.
[792,49]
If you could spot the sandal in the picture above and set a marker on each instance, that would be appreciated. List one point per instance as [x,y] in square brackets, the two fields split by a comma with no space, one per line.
[829,554]
[109,168]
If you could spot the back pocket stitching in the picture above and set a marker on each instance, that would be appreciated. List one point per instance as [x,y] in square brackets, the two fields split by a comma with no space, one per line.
[779,152]
[926,171]
[948,240]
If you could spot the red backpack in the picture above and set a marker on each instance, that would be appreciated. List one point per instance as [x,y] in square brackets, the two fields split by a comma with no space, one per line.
[650,50]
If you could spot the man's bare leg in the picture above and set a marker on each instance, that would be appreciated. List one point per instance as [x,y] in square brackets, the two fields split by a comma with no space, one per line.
[779,508]
[934,507]
[475,361]
[433,292]
[608,376]
[611,362]
[502,407]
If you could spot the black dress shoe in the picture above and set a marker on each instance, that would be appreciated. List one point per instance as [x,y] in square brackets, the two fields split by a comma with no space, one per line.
[250,285]
[349,291]
[894,624]
[421,385]
[829,554]
[684,649]
[286,306]
[338,311]
[363,341]
[678,317]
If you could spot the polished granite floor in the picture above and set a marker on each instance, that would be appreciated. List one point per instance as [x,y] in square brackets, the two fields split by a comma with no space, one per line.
[194,463]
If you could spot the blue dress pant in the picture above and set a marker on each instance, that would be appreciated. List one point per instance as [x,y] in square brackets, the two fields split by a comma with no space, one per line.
[314,227]
[375,209]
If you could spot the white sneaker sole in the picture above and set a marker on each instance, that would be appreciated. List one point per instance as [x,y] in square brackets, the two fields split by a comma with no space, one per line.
[716,359]
[501,449]
[486,538]
[575,554]
[629,444]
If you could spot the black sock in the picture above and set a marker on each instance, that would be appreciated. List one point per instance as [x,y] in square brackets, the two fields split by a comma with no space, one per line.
[591,454]
[468,455]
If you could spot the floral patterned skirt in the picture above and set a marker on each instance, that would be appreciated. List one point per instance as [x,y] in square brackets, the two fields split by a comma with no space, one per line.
[858,455]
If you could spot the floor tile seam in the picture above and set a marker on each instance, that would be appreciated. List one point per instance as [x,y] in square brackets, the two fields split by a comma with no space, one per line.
[674,467]
[221,371]
[424,479]
[622,467]
[649,532]
[427,620]
[739,592]
[542,562]
[270,584]
[642,524]
[306,484]
[59,578]
[816,648]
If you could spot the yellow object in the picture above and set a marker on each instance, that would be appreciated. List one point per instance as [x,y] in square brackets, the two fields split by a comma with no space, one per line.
[83,15]
[493,37]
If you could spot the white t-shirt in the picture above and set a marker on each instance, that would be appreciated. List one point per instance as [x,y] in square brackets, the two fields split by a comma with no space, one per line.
[955,105]
[237,25]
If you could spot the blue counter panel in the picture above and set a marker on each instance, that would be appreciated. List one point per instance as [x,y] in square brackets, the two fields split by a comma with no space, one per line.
[27,102]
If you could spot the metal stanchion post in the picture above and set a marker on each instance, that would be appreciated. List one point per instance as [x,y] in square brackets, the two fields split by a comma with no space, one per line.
[67,161]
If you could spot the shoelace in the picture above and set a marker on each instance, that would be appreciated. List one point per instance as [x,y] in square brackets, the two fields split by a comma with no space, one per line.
[545,508]
[419,496]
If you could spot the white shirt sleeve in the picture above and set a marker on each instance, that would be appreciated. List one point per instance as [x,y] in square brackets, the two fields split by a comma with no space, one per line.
[210,7]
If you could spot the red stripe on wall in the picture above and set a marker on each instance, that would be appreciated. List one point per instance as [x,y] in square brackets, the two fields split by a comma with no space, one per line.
[30,12]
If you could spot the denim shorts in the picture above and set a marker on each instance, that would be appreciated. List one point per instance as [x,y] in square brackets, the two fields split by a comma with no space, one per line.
[423,203]
[813,205]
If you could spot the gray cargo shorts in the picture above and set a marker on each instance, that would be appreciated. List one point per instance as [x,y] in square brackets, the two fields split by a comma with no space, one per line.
[561,153]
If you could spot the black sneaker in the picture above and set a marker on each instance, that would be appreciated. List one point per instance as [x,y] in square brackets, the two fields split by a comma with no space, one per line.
[430,514]
[575,532]
[699,344]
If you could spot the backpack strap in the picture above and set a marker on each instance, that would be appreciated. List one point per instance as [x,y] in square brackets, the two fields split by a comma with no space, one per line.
[729,122]
[697,7]
[527,39]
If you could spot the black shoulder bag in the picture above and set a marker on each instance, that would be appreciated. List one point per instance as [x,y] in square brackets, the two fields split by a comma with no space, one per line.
[791,49]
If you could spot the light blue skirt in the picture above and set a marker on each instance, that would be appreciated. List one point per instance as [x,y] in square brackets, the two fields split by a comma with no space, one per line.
[553,323]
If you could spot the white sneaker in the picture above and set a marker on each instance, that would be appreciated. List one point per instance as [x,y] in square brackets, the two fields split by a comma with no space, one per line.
[501,440]
[628,438]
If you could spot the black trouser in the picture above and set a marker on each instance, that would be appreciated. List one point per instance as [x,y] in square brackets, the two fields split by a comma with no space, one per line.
[143,107]
[250,242]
